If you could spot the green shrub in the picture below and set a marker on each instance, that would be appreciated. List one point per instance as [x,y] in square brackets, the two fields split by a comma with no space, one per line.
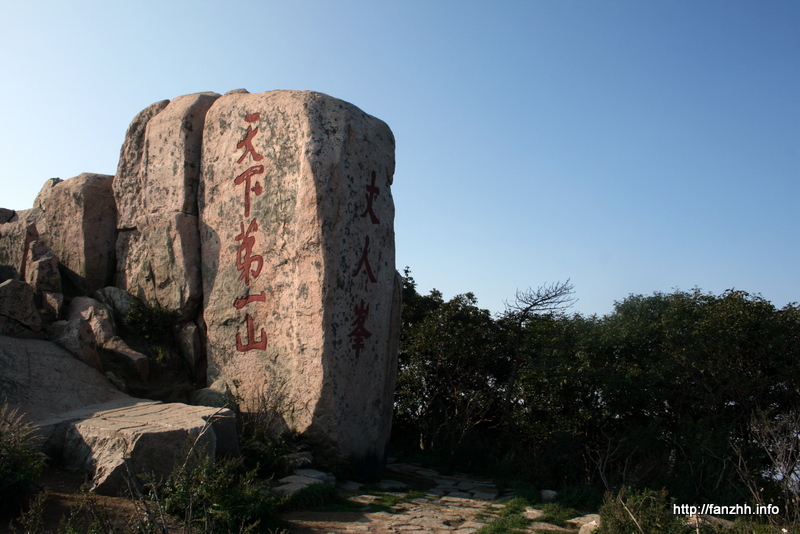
[219,497]
[632,512]
[153,324]
[557,514]
[20,461]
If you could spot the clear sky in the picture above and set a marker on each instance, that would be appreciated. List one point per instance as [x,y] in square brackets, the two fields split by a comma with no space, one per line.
[630,146]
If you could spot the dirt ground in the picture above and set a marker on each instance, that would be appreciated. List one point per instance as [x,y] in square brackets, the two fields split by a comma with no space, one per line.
[64,493]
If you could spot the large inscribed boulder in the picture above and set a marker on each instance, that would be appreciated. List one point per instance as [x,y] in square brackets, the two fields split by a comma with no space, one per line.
[158,250]
[298,264]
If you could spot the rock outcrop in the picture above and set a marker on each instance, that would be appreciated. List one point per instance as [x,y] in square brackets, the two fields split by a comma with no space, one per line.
[90,426]
[156,191]
[118,439]
[42,379]
[262,225]
[18,315]
[78,225]
[299,279]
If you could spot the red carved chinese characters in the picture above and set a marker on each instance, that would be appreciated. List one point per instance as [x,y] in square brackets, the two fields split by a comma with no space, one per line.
[372,191]
[249,299]
[364,262]
[252,343]
[360,333]
[244,254]
[247,142]
[248,263]
[245,178]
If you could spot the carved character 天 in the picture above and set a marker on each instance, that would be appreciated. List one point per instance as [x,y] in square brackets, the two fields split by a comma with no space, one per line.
[247,142]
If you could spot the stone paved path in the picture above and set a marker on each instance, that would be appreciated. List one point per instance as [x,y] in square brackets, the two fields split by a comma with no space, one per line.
[419,516]
[454,504]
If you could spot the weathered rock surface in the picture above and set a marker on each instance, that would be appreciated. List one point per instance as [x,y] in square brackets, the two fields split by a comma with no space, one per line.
[299,280]
[128,180]
[78,225]
[137,437]
[99,317]
[159,248]
[41,269]
[18,315]
[101,321]
[90,425]
[15,237]
[42,379]
[45,192]
[6,214]
[159,262]
[77,337]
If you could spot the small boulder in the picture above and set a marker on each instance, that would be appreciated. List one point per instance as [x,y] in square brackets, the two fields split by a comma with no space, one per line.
[18,315]
[548,495]
[138,437]
[6,215]
[191,349]
[217,394]
[118,346]
[117,300]
[77,337]
[41,269]
[53,303]
[99,317]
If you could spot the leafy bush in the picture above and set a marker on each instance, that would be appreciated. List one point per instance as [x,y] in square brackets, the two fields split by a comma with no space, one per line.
[20,461]
[219,497]
[153,324]
[645,512]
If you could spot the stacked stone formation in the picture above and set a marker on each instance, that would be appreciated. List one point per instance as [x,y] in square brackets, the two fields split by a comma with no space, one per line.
[265,222]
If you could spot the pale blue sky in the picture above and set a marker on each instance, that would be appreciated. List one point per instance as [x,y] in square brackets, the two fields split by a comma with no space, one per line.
[631,146]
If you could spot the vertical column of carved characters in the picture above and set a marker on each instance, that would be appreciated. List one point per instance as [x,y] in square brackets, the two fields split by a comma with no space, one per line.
[360,331]
[249,264]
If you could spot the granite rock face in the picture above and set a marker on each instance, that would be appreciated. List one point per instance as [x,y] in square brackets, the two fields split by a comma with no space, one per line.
[18,315]
[264,222]
[43,379]
[88,425]
[138,437]
[41,269]
[298,266]
[78,225]
[16,235]
[156,192]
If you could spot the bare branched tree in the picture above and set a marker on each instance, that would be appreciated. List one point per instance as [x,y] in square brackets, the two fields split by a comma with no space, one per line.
[549,298]
[528,304]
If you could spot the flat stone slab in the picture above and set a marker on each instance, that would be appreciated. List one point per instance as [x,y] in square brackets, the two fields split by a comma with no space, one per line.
[128,436]
[296,479]
[392,485]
